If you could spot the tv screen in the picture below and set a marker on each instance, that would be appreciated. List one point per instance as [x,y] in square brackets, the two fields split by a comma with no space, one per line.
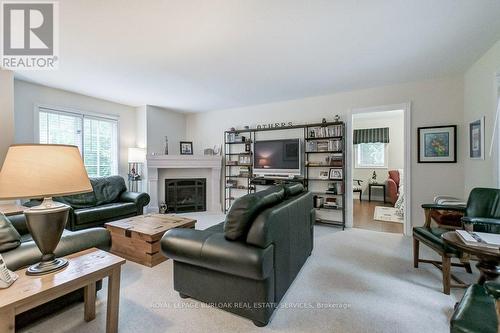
[277,155]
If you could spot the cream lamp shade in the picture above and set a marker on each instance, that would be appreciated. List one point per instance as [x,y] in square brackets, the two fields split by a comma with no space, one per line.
[136,155]
[42,170]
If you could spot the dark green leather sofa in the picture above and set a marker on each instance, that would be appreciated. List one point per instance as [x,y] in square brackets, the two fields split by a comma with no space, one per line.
[248,275]
[109,201]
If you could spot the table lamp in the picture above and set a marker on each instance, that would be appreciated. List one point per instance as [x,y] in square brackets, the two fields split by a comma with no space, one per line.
[44,170]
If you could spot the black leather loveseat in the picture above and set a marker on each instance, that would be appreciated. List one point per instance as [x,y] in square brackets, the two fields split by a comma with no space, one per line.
[109,201]
[246,264]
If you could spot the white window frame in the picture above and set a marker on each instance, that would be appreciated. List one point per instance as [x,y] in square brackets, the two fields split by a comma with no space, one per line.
[386,159]
[78,113]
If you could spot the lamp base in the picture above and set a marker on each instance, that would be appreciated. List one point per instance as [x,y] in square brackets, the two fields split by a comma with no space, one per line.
[45,267]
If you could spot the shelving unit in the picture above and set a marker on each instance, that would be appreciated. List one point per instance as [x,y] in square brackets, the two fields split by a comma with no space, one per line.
[233,150]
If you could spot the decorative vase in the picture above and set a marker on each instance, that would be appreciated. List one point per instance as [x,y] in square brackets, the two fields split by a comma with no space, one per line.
[166,145]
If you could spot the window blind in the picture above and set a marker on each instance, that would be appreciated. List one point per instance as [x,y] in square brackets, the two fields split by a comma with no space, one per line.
[371,135]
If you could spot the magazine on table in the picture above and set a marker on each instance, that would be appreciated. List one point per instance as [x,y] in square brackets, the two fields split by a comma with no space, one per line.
[479,239]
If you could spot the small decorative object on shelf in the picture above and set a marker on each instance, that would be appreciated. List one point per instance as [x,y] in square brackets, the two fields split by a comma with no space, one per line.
[336,118]
[166,145]
[186,148]
[217,149]
[163,208]
[373,180]
[208,151]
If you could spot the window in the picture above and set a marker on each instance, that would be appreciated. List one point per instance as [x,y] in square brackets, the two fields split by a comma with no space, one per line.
[371,155]
[96,137]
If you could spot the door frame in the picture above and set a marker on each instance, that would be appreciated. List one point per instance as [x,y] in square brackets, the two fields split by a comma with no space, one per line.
[406,107]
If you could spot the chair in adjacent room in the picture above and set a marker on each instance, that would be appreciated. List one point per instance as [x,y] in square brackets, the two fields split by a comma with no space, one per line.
[356,187]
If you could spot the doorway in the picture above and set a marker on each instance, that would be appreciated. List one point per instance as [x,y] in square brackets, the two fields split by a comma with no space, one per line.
[379,164]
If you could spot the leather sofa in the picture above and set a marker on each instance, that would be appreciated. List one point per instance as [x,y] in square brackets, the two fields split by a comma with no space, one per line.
[109,201]
[248,275]
[27,253]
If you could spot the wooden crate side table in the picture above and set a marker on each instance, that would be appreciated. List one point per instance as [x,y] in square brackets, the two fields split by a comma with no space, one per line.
[138,238]
[84,270]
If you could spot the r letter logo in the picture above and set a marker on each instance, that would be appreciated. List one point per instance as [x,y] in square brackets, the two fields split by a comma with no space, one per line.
[30,35]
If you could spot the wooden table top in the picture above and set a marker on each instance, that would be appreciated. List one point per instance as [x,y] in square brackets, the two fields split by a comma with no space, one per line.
[12,209]
[152,224]
[82,265]
[452,239]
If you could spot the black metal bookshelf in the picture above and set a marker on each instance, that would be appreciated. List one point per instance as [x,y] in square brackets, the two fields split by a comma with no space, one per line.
[231,152]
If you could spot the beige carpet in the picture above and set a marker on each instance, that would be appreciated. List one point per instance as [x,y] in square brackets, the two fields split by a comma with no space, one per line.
[356,281]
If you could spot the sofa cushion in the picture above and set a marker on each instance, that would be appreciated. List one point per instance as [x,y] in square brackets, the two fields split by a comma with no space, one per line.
[244,210]
[104,212]
[433,235]
[108,189]
[9,237]
[82,200]
[293,189]
[28,253]
[475,312]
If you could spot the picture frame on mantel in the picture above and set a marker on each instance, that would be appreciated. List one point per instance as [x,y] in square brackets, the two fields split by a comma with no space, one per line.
[476,139]
[186,147]
[437,144]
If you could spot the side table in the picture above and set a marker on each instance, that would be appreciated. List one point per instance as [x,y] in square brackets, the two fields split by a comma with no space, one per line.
[370,190]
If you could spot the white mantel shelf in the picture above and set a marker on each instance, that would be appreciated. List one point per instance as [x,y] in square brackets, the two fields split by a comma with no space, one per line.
[158,162]
[184,161]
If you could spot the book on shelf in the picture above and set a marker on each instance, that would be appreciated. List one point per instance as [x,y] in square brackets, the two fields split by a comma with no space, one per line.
[325,131]
[479,239]
[324,145]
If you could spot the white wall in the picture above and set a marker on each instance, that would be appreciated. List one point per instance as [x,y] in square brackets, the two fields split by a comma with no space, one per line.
[434,102]
[27,95]
[163,122]
[394,120]
[480,99]
[6,112]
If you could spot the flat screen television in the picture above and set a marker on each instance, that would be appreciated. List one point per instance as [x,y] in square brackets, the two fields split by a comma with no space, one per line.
[277,157]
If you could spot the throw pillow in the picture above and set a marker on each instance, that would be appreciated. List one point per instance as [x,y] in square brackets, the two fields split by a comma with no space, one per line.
[9,237]
[293,189]
[244,210]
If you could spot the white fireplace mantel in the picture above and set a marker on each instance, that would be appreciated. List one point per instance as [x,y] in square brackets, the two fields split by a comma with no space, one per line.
[158,162]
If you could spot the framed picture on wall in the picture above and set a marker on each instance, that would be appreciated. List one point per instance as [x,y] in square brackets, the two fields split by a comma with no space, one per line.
[437,144]
[186,148]
[476,139]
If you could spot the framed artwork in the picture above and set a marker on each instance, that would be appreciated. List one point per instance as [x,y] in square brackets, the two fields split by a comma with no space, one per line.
[186,147]
[437,144]
[336,174]
[323,175]
[476,139]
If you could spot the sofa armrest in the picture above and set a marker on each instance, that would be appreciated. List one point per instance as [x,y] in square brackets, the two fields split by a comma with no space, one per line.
[492,288]
[141,199]
[480,220]
[213,251]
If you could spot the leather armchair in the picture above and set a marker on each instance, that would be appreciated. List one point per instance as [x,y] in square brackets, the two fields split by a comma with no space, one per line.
[248,276]
[393,186]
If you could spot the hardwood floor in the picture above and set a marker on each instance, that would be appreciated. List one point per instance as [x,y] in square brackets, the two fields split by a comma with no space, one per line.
[363,217]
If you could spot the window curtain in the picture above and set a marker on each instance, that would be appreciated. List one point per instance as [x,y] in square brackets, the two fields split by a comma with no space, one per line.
[371,135]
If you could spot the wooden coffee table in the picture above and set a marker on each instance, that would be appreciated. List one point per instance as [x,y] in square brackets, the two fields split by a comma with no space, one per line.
[138,238]
[84,270]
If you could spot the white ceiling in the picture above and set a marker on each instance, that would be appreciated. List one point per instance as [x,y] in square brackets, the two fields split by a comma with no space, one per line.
[199,55]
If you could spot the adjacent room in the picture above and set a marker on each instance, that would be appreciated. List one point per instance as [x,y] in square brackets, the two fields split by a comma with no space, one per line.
[378,170]
[250,166]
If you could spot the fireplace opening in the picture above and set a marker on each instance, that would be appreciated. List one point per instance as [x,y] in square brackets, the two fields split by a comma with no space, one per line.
[186,195]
